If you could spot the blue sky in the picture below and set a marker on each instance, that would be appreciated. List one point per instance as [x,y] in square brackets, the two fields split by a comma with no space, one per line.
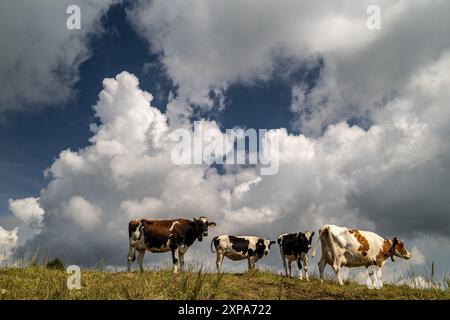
[362,115]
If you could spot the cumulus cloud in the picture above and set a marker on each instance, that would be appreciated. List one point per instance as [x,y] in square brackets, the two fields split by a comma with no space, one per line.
[8,241]
[30,216]
[209,45]
[40,57]
[28,211]
[83,213]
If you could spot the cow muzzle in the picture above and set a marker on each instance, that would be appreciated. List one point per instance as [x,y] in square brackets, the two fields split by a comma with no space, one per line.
[200,238]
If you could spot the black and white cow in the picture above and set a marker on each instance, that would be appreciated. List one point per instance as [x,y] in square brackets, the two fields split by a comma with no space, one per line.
[239,248]
[294,247]
[175,235]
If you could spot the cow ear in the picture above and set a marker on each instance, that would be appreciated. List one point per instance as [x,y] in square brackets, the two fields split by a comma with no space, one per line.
[312,234]
[195,220]
[211,224]
[394,241]
[272,242]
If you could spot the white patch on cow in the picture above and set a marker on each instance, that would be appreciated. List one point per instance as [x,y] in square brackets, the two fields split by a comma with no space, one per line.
[173,225]
[137,239]
[204,220]
[136,234]
[267,246]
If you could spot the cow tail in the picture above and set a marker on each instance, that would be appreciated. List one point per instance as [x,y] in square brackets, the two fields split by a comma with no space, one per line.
[212,241]
[313,254]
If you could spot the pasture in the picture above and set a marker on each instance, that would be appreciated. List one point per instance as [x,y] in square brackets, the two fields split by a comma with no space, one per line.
[38,282]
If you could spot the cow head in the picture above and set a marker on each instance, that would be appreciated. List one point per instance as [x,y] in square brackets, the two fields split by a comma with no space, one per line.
[263,246]
[398,249]
[202,227]
[309,237]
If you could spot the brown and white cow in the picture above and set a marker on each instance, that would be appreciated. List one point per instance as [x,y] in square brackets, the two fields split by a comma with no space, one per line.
[156,236]
[344,247]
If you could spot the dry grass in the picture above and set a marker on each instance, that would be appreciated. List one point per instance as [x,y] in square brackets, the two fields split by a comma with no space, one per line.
[42,283]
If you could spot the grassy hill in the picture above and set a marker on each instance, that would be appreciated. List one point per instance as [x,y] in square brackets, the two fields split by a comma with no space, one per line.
[44,283]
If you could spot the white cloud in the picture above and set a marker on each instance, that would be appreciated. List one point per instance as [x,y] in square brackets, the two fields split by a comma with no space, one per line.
[30,216]
[28,211]
[8,241]
[40,57]
[82,213]
[417,257]
[210,45]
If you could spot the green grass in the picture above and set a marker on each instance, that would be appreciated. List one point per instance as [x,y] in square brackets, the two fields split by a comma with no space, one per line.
[43,283]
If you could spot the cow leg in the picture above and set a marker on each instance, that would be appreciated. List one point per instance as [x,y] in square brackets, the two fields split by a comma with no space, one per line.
[140,259]
[322,264]
[371,275]
[219,261]
[131,256]
[305,265]
[174,261]
[251,263]
[380,276]
[299,264]
[337,271]
[290,268]
[181,258]
[173,247]
[284,262]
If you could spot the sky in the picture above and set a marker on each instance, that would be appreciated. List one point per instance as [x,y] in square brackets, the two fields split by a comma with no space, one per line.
[362,117]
